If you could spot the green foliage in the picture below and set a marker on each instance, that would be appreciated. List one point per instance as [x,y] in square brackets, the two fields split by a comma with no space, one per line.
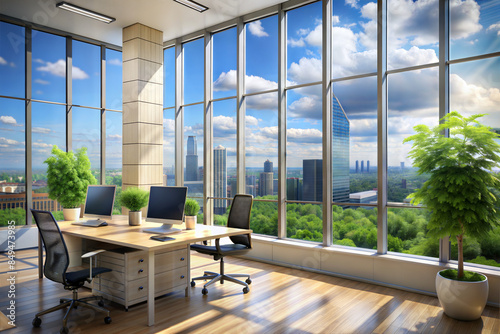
[192,207]
[459,190]
[134,198]
[18,215]
[469,276]
[68,175]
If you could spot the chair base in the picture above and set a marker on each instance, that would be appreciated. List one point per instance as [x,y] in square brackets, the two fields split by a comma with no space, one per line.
[216,277]
[73,303]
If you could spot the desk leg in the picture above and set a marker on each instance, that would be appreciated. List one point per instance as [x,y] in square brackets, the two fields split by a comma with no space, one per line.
[188,285]
[151,288]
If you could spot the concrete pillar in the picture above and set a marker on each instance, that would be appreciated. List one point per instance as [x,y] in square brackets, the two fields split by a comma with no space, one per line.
[142,106]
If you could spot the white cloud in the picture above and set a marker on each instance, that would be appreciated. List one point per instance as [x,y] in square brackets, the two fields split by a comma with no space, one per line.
[6,141]
[224,126]
[306,107]
[304,135]
[251,121]
[400,58]
[78,74]
[255,84]
[335,19]
[307,70]
[3,61]
[169,125]
[315,38]
[41,130]
[115,61]
[114,137]
[8,120]
[59,69]
[474,97]
[296,43]
[257,29]
[352,3]
[495,26]
[225,81]
[42,82]
[42,145]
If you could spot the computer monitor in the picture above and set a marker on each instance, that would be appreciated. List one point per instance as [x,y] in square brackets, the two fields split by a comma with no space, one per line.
[166,206]
[99,202]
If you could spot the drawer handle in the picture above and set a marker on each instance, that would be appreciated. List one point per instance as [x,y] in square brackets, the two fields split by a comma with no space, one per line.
[141,287]
[140,270]
[182,276]
[141,260]
[182,259]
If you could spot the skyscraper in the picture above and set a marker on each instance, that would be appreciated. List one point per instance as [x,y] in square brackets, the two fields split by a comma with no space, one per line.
[402,163]
[368,166]
[266,184]
[293,189]
[268,166]
[250,185]
[362,166]
[357,166]
[340,153]
[191,159]
[220,180]
[312,188]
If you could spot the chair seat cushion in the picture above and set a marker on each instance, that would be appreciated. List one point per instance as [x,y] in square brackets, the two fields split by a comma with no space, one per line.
[79,276]
[226,249]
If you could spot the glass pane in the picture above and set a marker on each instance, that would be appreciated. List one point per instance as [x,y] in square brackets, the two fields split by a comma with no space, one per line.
[304,31]
[264,218]
[114,154]
[49,67]
[114,81]
[304,144]
[87,133]
[304,221]
[407,232]
[261,145]
[412,100]
[169,77]
[474,88]
[193,148]
[355,226]
[354,147]
[262,55]
[194,55]
[86,74]
[12,162]
[12,58]
[354,38]
[224,63]
[169,147]
[474,28]
[224,153]
[412,32]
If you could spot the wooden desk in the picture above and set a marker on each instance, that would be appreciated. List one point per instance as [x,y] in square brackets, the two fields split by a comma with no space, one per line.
[119,232]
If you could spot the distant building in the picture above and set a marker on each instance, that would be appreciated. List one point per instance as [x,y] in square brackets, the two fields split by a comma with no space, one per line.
[362,166]
[220,180]
[191,159]
[364,197]
[357,166]
[251,186]
[268,166]
[266,184]
[312,186]
[368,166]
[340,153]
[293,189]
[403,183]
[41,201]
[402,163]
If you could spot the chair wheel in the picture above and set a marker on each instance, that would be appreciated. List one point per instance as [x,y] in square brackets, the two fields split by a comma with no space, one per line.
[193,283]
[246,290]
[248,281]
[107,320]
[100,303]
[61,301]
[204,291]
[64,330]
[36,322]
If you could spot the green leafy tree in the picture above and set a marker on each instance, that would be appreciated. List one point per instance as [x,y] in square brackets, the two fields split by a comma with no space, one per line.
[458,191]
[68,175]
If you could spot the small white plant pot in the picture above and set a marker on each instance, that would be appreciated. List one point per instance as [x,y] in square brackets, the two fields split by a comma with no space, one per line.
[191,222]
[462,300]
[71,213]
[134,218]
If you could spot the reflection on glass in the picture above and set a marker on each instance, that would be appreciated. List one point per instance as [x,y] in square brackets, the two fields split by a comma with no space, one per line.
[407,232]
[49,67]
[169,77]
[412,100]
[354,226]
[193,149]
[262,55]
[412,33]
[304,38]
[114,81]
[261,145]
[87,133]
[193,72]
[169,147]
[12,58]
[86,74]
[224,63]
[12,163]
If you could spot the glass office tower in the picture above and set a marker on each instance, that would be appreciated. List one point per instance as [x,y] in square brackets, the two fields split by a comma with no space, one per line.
[340,153]
[191,159]
[220,180]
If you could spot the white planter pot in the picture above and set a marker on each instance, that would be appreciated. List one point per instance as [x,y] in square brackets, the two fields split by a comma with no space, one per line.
[190,222]
[134,218]
[462,300]
[71,214]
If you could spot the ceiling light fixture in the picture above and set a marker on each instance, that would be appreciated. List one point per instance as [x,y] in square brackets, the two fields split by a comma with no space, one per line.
[193,5]
[85,12]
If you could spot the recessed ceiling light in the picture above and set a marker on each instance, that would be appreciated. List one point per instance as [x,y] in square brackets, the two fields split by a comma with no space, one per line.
[85,12]
[193,5]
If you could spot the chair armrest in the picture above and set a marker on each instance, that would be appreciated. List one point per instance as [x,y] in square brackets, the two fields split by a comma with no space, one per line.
[93,253]
[217,245]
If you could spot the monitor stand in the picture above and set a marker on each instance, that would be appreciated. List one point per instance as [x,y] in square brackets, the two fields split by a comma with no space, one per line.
[164,229]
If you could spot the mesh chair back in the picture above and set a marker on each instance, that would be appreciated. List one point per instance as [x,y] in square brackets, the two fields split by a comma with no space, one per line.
[239,217]
[56,252]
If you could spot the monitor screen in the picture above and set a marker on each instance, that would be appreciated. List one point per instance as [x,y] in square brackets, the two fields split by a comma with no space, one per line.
[99,202]
[166,206]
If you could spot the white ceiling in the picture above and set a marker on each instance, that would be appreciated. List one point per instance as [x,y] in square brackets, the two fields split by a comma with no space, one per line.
[172,18]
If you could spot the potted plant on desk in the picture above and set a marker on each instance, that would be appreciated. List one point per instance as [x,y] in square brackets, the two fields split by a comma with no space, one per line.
[68,175]
[459,196]
[191,210]
[134,199]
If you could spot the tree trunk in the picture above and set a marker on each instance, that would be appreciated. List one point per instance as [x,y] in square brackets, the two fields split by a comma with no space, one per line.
[460,245]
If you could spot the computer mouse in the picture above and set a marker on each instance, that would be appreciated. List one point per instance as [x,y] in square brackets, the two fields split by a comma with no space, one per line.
[104,224]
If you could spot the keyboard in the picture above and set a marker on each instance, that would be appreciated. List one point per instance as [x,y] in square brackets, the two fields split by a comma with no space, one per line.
[91,223]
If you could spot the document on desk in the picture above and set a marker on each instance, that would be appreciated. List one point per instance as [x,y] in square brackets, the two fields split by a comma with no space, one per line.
[91,223]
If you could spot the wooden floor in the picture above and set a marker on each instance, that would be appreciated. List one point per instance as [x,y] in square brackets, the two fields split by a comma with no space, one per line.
[281,300]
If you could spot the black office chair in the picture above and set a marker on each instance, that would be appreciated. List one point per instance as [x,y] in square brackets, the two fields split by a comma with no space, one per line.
[55,269]
[239,217]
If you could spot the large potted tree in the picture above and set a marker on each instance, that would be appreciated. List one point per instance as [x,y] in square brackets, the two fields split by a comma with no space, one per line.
[459,194]
[68,175]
